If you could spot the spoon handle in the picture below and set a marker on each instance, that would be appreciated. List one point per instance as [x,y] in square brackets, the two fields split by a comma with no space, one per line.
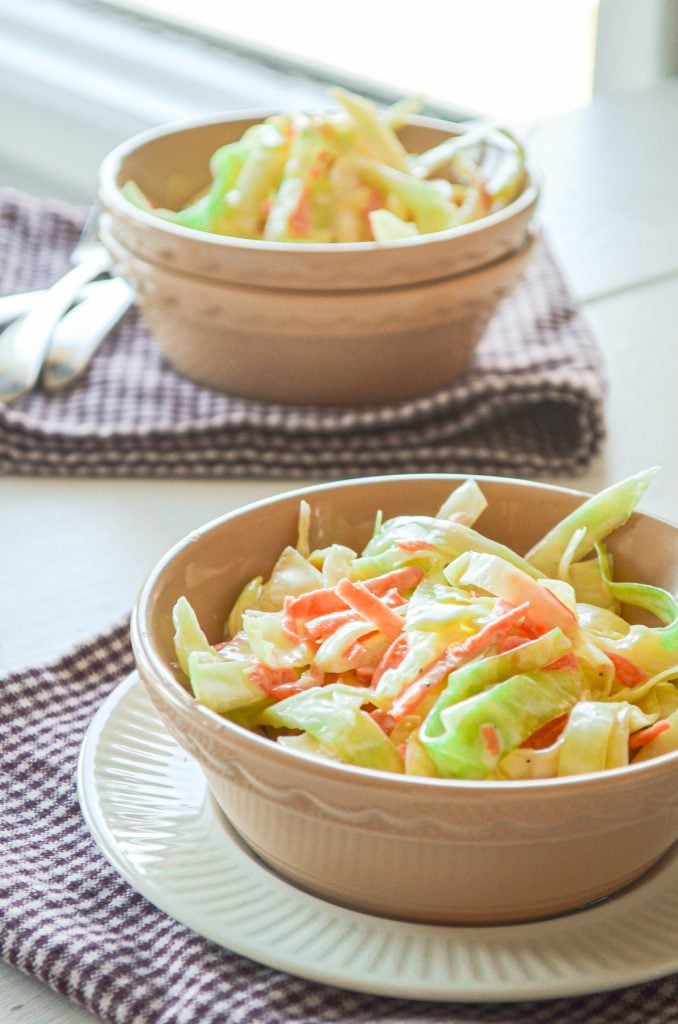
[79,334]
[20,303]
[23,345]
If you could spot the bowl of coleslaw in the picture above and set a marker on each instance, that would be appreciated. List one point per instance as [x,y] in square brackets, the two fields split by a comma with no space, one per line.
[430,697]
[347,258]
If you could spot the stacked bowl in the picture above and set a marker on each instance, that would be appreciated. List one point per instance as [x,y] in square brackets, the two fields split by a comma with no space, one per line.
[308,323]
[405,846]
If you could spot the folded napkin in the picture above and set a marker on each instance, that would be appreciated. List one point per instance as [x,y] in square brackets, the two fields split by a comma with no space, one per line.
[69,919]
[530,403]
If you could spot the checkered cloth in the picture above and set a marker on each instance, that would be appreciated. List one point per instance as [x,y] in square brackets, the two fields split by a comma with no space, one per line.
[69,919]
[529,404]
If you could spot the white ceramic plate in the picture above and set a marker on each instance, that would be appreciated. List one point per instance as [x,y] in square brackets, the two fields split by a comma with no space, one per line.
[149,809]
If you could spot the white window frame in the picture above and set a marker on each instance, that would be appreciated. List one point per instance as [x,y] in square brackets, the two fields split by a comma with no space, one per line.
[77,77]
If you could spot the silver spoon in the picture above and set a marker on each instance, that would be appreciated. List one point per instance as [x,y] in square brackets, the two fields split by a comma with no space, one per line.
[20,303]
[24,344]
[78,334]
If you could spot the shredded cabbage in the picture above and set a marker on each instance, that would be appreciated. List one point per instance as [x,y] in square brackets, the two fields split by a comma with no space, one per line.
[345,176]
[437,651]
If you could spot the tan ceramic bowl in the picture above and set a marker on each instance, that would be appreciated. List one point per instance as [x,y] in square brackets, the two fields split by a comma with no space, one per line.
[344,324]
[414,848]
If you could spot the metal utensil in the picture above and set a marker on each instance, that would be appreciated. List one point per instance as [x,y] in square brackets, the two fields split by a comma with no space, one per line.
[20,303]
[78,334]
[24,344]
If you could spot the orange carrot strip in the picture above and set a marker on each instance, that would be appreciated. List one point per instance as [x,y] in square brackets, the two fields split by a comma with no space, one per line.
[645,736]
[509,643]
[402,579]
[412,696]
[289,625]
[370,607]
[568,661]
[383,720]
[273,680]
[322,626]
[625,671]
[564,613]
[316,603]
[414,545]
[322,159]
[546,734]
[300,218]
[392,657]
[491,739]
[532,630]
[326,600]
[355,651]
[283,690]
[355,645]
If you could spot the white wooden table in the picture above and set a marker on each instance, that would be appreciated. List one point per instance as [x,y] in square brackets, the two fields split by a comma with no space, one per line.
[74,552]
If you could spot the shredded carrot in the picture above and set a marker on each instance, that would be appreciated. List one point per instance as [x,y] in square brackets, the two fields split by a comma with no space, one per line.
[357,647]
[531,630]
[375,201]
[546,734]
[326,600]
[626,673]
[319,628]
[316,675]
[485,197]
[289,625]
[491,739]
[323,158]
[374,610]
[452,658]
[415,545]
[568,661]
[285,690]
[645,736]
[322,626]
[275,682]
[383,720]
[414,694]
[402,579]
[316,603]
[300,217]
[354,652]
[392,657]
[561,608]
[509,643]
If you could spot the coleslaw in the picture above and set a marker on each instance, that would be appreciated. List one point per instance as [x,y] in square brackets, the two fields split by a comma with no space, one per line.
[436,651]
[345,176]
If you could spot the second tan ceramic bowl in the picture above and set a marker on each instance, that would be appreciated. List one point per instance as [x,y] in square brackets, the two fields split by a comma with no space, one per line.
[432,850]
[343,324]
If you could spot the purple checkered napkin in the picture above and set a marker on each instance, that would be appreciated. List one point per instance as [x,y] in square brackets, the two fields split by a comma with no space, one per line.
[69,919]
[530,403]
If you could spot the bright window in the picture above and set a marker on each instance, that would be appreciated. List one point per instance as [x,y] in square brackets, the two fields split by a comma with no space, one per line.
[513,60]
